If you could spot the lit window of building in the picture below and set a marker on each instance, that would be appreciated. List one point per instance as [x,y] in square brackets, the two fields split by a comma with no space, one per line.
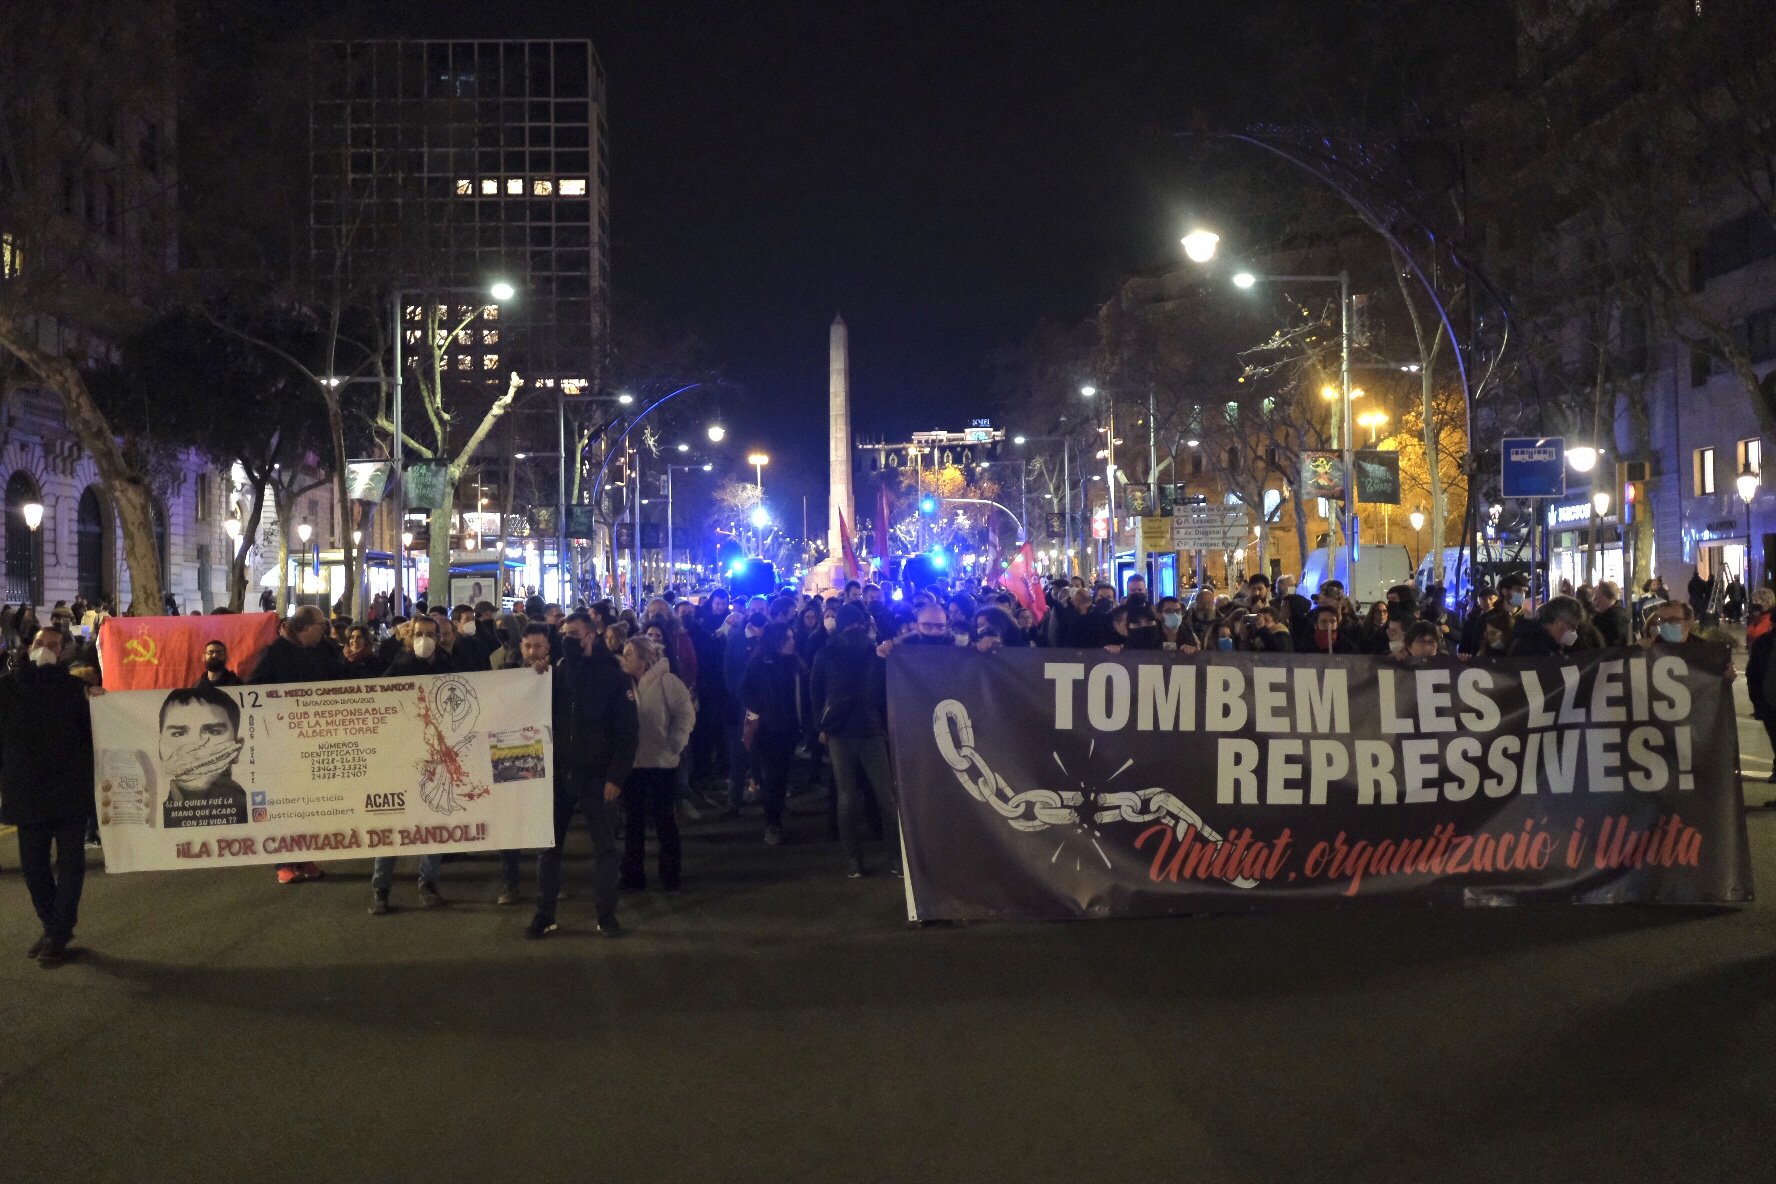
[465,362]
[541,188]
[490,312]
[490,361]
[465,187]
[490,337]
[515,186]
[11,258]
[489,187]
[573,187]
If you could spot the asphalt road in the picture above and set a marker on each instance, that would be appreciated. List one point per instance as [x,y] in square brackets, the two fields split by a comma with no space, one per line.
[778,1022]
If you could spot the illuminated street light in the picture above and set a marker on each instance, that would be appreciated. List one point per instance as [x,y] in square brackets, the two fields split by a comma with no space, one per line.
[1417,519]
[304,532]
[716,432]
[232,528]
[1244,279]
[1017,439]
[1600,501]
[502,291]
[625,398]
[1583,458]
[406,539]
[761,518]
[1088,391]
[33,512]
[684,447]
[1199,245]
[758,461]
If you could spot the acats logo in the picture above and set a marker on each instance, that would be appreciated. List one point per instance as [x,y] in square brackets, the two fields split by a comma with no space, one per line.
[385,803]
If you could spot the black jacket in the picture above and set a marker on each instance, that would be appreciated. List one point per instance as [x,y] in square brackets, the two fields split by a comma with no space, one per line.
[850,690]
[768,688]
[596,728]
[285,661]
[46,747]
[407,664]
[227,678]
[1613,625]
[369,666]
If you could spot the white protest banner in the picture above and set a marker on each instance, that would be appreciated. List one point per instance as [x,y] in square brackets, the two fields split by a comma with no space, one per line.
[310,771]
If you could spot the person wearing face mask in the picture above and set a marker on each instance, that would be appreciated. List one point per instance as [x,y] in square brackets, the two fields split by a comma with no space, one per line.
[472,648]
[1137,628]
[46,787]
[421,653]
[1496,629]
[1473,640]
[298,654]
[1328,637]
[665,714]
[1423,641]
[216,672]
[1173,635]
[1552,632]
[1514,596]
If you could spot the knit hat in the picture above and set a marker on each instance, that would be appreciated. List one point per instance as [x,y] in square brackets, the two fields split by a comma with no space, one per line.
[851,616]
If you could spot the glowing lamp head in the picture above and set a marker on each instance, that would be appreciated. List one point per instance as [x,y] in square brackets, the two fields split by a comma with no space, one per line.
[1244,279]
[684,447]
[304,531]
[1018,439]
[502,291]
[1600,501]
[761,517]
[33,512]
[1582,458]
[1748,482]
[1417,519]
[1088,390]
[232,528]
[1199,245]
[624,398]
[716,432]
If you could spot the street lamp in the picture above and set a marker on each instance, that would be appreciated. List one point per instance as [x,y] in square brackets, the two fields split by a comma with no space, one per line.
[304,532]
[1748,482]
[1199,245]
[232,528]
[1372,420]
[1417,518]
[1582,458]
[716,432]
[758,461]
[33,512]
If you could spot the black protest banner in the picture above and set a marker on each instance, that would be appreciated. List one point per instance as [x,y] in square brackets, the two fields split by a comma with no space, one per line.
[1063,783]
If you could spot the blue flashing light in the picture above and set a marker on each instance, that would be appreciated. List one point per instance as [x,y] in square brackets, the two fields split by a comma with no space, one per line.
[927,505]
[736,567]
[939,560]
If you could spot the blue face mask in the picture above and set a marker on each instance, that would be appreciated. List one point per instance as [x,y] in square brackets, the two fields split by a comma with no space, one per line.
[1670,631]
[1516,600]
[1173,620]
[1224,643]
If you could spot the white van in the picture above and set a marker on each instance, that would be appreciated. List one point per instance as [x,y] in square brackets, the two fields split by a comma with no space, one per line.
[1493,562]
[1379,567]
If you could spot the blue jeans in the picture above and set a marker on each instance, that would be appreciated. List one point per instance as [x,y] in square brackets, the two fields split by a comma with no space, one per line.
[382,872]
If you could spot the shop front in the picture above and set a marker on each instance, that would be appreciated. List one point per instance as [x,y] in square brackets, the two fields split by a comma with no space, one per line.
[1573,555]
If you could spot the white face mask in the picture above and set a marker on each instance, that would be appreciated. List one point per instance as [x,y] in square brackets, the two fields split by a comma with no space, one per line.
[424,647]
[42,656]
[467,628]
[1396,647]
[1566,639]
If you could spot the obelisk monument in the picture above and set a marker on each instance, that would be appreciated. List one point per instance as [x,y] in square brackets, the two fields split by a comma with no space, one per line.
[839,499]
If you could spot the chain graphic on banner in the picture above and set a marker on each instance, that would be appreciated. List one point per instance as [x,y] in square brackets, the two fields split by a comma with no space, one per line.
[1034,810]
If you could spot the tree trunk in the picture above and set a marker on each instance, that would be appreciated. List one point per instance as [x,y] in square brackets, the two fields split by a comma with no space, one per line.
[439,551]
[128,490]
[285,503]
[1427,365]
[237,567]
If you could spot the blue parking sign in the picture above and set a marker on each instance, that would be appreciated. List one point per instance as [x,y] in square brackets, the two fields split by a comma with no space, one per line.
[1533,466]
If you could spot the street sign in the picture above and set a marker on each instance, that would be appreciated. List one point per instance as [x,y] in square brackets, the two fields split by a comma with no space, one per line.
[1378,476]
[1533,466]
[1206,529]
[1322,475]
[1156,534]
[1100,528]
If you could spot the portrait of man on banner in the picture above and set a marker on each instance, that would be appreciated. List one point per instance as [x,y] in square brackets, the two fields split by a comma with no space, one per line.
[199,744]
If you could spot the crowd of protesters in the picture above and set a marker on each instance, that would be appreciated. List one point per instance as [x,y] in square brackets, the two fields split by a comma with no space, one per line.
[712,707]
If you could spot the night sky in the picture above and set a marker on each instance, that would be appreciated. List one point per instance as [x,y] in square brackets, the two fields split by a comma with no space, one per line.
[945,175]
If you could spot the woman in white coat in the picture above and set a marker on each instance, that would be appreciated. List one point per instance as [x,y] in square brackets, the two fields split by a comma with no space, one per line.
[666,711]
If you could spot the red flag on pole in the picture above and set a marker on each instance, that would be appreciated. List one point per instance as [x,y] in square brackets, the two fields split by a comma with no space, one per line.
[1022,581]
[845,544]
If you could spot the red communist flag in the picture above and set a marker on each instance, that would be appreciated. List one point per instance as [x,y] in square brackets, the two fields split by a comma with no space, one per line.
[160,653]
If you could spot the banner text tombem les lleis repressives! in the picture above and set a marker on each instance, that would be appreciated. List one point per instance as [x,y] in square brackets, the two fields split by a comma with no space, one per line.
[1287,730]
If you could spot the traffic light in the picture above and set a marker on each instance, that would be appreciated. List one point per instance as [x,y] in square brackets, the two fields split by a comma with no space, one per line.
[928,505]
[1631,475]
